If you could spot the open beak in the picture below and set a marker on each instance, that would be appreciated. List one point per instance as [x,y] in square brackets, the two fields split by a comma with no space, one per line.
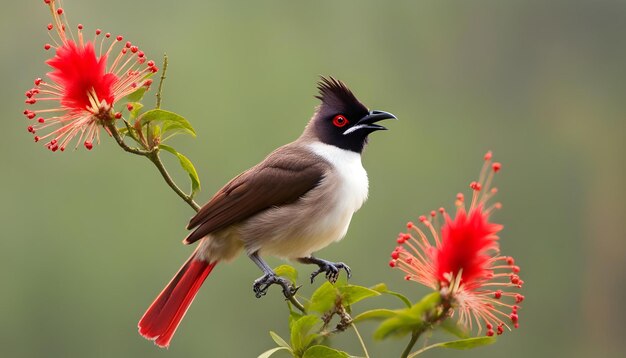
[368,121]
[375,116]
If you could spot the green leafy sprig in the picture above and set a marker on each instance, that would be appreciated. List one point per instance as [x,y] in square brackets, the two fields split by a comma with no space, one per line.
[150,129]
[329,311]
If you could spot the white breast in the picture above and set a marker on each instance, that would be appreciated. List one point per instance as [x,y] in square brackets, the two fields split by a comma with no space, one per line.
[354,187]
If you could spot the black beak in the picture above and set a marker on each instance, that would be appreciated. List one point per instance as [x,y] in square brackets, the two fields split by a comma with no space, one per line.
[373,117]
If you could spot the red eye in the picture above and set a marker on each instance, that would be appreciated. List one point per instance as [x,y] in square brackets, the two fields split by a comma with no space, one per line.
[340,121]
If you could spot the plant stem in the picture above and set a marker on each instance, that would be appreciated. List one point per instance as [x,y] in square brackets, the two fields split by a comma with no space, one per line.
[120,141]
[360,340]
[294,301]
[153,156]
[440,313]
[422,350]
[160,89]
[414,337]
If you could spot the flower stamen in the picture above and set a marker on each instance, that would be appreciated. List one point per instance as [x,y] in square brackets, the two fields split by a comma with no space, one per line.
[462,259]
[84,91]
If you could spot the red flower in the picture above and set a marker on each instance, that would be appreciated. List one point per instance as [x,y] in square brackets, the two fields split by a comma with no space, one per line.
[464,263]
[82,90]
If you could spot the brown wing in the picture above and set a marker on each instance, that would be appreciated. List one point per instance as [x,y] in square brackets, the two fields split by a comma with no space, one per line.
[282,178]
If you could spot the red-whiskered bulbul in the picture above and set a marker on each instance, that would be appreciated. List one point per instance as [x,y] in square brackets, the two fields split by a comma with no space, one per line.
[298,200]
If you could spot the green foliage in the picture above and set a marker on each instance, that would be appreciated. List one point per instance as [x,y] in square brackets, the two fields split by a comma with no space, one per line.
[328,296]
[324,298]
[301,335]
[375,314]
[136,109]
[308,331]
[288,272]
[154,127]
[187,166]
[137,95]
[324,352]
[382,288]
[409,319]
[279,340]
[269,352]
[306,351]
[294,315]
[468,343]
[462,344]
[170,122]
[351,294]
[454,328]
[282,345]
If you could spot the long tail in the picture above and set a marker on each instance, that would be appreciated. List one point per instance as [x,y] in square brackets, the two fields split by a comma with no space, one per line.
[164,315]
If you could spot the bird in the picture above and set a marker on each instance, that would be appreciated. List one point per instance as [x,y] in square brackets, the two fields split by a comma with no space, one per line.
[296,201]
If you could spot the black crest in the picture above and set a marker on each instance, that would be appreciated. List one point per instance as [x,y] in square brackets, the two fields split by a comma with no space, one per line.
[338,101]
[337,97]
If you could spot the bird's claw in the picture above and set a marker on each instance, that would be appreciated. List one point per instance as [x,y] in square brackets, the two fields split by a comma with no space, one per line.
[292,292]
[262,284]
[331,269]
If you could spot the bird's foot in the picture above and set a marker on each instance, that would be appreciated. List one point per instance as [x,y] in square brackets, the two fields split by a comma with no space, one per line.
[331,269]
[262,284]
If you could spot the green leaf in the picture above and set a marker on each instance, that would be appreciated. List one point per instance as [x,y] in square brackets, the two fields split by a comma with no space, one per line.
[428,302]
[294,315]
[137,95]
[382,288]
[136,108]
[268,353]
[169,119]
[324,352]
[187,166]
[462,344]
[400,324]
[174,128]
[130,132]
[351,294]
[300,332]
[408,319]
[287,271]
[454,328]
[379,313]
[468,343]
[155,132]
[324,298]
[279,340]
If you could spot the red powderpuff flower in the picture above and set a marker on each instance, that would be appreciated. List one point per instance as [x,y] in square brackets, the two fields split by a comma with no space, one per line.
[461,259]
[87,79]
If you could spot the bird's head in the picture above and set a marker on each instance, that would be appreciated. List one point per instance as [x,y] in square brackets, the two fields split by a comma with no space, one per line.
[341,120]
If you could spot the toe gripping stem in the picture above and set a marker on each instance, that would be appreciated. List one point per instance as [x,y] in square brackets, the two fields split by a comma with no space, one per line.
[263,283]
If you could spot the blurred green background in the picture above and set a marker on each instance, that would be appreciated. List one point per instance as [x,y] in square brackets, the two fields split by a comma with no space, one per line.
[90,238]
